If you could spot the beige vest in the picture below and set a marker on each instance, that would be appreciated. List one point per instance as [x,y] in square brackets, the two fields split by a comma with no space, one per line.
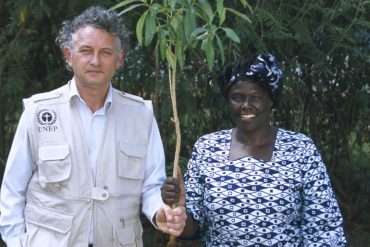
[63,196]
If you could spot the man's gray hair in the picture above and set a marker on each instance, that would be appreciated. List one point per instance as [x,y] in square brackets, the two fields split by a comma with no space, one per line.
[95,16]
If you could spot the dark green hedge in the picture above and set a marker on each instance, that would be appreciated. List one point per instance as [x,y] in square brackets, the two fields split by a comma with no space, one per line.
[324,49]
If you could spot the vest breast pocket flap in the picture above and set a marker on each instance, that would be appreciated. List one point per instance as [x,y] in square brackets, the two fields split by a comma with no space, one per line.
[54,163]
[131,160]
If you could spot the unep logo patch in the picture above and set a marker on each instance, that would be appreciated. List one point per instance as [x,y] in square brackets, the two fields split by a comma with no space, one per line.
[46,117]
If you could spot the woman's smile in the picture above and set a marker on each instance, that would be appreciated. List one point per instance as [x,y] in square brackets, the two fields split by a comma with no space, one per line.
[248,116]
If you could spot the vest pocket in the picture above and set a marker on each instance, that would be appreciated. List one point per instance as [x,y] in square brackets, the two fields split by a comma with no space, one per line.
[54,164]
[131,160]
[45,227]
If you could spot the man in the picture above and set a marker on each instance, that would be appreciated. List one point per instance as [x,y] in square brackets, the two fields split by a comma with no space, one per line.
[86,156]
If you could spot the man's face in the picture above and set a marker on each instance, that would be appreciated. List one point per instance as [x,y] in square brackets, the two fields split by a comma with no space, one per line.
[94,57]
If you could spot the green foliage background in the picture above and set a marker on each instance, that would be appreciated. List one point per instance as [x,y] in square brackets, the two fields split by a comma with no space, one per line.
[324,47]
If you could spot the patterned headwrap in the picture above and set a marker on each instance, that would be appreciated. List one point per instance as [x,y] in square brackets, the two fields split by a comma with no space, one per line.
[262,69]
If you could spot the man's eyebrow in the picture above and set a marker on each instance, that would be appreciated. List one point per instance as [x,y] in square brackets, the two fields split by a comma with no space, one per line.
[84,46]
[108,48]
[89,46]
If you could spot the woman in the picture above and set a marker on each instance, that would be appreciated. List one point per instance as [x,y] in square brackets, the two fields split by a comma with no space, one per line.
[256,184]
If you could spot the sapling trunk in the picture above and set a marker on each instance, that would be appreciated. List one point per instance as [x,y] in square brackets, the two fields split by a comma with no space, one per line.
[176,167]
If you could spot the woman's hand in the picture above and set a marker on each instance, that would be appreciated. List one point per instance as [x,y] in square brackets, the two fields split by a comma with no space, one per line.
[173,189]
[170,191]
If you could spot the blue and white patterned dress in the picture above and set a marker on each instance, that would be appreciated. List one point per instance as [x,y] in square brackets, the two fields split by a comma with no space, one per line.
[287,201]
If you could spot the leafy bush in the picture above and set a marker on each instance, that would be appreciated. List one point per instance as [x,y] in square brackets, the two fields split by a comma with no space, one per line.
[324,49]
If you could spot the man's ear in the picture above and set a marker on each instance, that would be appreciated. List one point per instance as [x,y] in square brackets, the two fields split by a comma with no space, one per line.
[121,59]
[67,56]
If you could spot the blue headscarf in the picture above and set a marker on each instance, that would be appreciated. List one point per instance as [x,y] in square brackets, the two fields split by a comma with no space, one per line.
[262,70]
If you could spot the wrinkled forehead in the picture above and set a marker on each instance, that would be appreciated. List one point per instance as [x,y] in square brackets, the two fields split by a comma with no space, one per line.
[90,35]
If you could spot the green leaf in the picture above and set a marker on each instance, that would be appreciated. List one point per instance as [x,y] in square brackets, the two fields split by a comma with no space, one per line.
[189,23]
[231,34]
[207,46]
[127,2]
[150,28]
[199,33]
[246,4]
[156,7]
[207,8]
[162,44]
[134,6]
[175,22]
[180,32]
[220,6]
[220,49]
[172,3]
[140,27]
[157,52]
[203,45]
[239,14]
[221,11]
[179,48]
[171,34]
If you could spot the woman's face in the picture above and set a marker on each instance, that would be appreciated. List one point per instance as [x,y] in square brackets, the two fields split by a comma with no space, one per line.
[250,105]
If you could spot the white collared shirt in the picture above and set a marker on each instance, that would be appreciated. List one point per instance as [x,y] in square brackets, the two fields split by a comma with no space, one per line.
[92,122]
[18,171]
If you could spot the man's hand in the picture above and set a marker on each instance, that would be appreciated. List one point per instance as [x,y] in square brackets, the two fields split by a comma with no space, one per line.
[171,220]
